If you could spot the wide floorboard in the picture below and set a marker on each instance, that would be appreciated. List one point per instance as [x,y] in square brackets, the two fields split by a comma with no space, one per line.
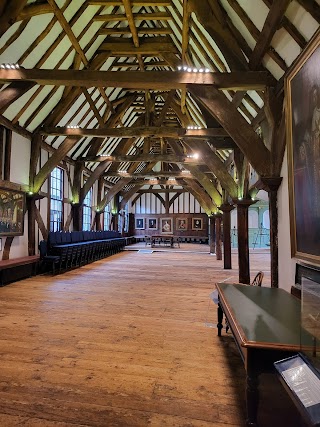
[127,341]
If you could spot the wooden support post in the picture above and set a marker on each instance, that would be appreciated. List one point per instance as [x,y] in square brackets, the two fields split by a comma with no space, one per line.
[243,239]
[98,212]
[31,206]
[1,150]
[212,225]
[7,155]
[77,216]
[98,220]
[226,209]
[218,237]
[271,185]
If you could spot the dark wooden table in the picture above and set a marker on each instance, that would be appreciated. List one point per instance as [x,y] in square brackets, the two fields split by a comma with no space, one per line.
[266,325]
[158,238]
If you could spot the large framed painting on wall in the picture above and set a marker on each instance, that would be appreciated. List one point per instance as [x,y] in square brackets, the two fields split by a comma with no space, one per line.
[166,225]
[303,140]
[139,224]
[12,209]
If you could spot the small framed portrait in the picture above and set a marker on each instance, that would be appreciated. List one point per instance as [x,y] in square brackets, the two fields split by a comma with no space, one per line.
[182,224]
[166,225]
[139,223]
[197,223]
[152,224]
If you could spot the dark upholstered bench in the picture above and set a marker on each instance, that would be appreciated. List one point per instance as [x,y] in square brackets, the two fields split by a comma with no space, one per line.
[18,268]
[76,248]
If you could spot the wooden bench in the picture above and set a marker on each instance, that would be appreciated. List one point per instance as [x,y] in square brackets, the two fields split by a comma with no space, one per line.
[22,263]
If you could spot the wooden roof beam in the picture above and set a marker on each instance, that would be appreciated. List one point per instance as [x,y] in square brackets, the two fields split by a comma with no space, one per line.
[107,3]
[139,31]
[164,80]
[129,132]
[68,31]
[167,158]
[10,14]
[270,26]
[155,16]
[240,131]
[12,92]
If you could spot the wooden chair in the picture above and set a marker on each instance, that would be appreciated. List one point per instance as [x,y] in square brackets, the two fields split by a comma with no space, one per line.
[257,281]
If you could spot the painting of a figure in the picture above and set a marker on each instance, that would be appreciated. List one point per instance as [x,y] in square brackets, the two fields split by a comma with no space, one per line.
[12,208]
[166,225]
[303,133]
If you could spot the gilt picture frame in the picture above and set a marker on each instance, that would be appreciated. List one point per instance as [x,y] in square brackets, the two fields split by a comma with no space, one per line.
[166,225]
[182,224]
[12,210]
[302,91]
[197,224]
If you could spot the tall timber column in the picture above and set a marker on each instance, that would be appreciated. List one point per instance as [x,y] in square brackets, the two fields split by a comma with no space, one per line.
[271,185]
[218,236]
[243,238]
[226,220]
[212,226]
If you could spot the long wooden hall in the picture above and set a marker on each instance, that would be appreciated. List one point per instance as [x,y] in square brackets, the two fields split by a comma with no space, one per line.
[159,213]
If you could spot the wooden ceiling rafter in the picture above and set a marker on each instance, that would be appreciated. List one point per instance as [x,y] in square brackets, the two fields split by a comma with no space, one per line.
[255,33]
[312,7]
[10,13]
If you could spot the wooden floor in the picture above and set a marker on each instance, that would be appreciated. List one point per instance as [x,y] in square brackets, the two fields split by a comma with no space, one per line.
[126,341]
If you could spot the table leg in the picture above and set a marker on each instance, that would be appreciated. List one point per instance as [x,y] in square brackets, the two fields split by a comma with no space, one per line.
[252,398]
[220,319]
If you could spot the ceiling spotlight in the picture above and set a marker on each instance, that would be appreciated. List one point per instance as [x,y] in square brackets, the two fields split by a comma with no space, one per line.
[195,156]
[189,70]
[179,68]
[201,70]
[207,70]
[185,68]
[195,70]
[2,66]
[8,66]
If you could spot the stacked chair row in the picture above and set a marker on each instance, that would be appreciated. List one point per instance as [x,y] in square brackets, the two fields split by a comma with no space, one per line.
[77,248]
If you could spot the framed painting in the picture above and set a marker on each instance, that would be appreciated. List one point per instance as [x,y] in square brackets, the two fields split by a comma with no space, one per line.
[182,224]
[139,223]
[12,209]
[152,224]
[302,90]
[166,225]
[197,223]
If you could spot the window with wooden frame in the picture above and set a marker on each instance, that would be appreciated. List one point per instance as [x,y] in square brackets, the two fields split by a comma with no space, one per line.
[106,218]
[56,199]
[87,211]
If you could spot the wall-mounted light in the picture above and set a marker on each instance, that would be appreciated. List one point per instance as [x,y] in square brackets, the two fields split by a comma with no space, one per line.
[73,127]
